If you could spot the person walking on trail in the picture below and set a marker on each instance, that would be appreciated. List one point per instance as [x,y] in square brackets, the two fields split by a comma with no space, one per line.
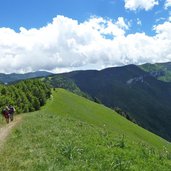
[6,114]
[11,110]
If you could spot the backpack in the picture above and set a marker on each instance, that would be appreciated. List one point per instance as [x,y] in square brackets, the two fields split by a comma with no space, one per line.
[3,111]
[12,110]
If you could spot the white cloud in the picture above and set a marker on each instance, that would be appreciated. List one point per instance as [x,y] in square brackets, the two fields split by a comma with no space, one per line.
[121,23]
[169,19]
[161,19]
[167,4]
[139,22]
[65,45]
[140,4]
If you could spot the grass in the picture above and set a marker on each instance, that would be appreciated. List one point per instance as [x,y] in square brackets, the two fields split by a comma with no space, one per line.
[2,121]
[72,133]
[68,104]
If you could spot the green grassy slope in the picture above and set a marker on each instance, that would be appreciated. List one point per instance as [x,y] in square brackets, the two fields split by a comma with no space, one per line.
[68,104]
[159,67]
[140,94]
[73,133]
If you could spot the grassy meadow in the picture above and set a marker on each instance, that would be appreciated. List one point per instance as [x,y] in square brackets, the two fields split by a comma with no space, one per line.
[73,133]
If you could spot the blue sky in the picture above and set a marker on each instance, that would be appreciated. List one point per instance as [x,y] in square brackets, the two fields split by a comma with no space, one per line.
[129,18]
[37,13]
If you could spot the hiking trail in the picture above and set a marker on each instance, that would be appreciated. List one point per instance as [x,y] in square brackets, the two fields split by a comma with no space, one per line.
[6,129]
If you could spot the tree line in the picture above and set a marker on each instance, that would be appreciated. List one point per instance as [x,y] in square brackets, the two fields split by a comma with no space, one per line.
[25,96]
[60,81]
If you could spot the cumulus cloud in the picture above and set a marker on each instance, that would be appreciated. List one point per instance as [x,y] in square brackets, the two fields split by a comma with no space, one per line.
[140,4]
[65,45]
[167,4]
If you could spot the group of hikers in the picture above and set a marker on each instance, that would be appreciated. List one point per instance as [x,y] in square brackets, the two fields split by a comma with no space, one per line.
[8,113]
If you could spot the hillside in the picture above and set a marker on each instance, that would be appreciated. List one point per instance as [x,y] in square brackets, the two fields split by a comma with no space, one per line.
[137,92]
[69,104]
[162,70]
[65,83]
[73,133]
[9,78]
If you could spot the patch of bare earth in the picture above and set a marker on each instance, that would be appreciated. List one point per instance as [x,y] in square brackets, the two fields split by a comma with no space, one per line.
[5,130]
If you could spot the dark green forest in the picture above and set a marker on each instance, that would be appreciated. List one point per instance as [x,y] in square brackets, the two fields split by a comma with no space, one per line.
[25,96]
[60,81]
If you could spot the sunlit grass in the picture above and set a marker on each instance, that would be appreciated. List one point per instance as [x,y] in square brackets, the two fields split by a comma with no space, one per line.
[65,138]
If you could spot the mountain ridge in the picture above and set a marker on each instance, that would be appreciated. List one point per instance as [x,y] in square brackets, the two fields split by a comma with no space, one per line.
[136,91]
[145,97]
[13,77]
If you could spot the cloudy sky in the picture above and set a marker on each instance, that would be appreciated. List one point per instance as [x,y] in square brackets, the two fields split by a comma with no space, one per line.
[65,35]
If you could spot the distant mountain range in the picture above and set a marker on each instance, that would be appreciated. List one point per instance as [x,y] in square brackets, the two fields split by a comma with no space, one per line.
[9,78]
[144,92]
[138,92]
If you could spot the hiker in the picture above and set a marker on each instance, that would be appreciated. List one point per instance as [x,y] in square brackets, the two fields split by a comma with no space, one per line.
[6,114]
[11,110]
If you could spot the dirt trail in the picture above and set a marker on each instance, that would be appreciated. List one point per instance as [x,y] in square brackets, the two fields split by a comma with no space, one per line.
[5,130]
